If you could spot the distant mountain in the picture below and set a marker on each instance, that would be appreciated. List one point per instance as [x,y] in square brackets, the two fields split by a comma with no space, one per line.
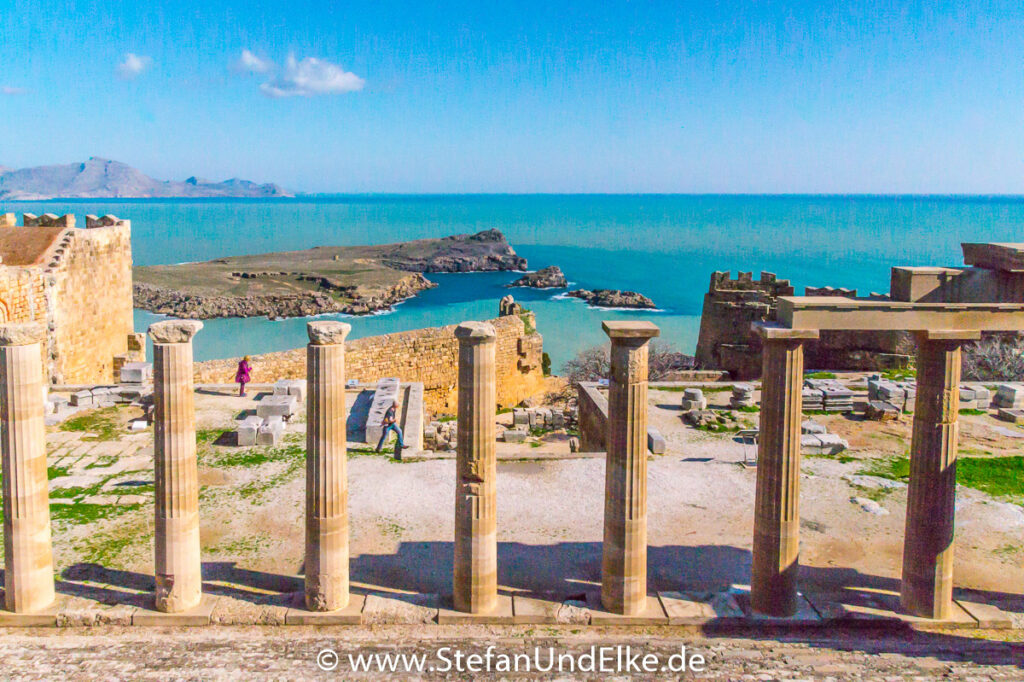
[102,179]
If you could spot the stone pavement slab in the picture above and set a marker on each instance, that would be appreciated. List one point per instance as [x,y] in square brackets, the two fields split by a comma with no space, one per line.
[392,608]
[198,616]
[501,615]
[653,614]
[350,615]
[701,608]
[533,610]
[805,615]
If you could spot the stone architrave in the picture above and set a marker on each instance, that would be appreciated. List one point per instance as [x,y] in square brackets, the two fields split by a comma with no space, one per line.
[927,586]
[624,550]
[475,579]
[28,554]
[178,567]
[326,566]
[776,550]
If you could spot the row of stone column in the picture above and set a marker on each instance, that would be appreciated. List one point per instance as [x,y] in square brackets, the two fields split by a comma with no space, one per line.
[927,581]
[29,584]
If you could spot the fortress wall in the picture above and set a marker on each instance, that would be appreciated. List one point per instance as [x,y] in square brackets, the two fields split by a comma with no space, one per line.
[91,304]
[727,342]
[428,356]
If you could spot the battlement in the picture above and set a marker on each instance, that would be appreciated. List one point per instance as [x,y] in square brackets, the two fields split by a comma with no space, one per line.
[53,220]
[830,291]
[768,283]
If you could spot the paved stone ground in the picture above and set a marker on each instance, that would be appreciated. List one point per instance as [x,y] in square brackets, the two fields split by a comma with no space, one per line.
[278,653]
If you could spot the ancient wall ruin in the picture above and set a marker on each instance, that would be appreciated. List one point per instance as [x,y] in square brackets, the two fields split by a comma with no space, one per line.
[428,356]
[77,282]
[727,342]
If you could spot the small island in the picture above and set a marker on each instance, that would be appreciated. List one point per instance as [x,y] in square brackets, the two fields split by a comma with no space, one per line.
[550,277]
[612,298]
[356,280]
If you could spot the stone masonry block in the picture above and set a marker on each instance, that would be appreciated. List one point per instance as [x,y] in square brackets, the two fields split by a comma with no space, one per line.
[248,429]
[277,405]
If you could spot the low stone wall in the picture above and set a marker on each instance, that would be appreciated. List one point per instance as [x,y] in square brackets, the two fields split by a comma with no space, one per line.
[428,356]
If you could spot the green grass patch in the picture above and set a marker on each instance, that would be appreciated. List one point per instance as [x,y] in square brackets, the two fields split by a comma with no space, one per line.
[720,428]
[503,410]
[704,389]
[748,408]
[538,431]
[446,418]
[528,327]
[104,424]
[820,375]
[842,459]
[971,410]
[210,436]
[80,513]
[55,472]
[1001,477]
[899,374]
[536,444]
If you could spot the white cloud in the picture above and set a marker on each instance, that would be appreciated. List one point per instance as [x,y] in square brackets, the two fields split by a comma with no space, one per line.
[309,77]
[133,65]
[251,63]
[11,90]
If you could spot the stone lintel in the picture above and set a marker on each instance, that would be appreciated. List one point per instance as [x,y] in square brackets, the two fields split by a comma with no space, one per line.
[476,332]
[630,329]
[950,335]
[1008,257]
[770,331]
[21,333]
[174,331]
[860,314]
[327,332]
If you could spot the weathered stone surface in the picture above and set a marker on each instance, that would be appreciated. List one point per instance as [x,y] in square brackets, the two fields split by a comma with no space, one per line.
[326,332]
[174,331]
[21,333]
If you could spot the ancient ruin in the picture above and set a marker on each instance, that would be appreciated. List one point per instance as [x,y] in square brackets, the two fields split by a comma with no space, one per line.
[77,283]
[28,565]
[326,564]
[943,308]
[475,580]
[178,573]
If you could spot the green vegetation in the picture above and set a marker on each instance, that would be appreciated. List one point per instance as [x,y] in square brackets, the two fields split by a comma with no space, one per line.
[899,374]
[971,410]
[503,410]
[55,472]
[210,436]
[536,444]
[545,364]
[748,408]
[720,428]
[447,418]
[538,431]
[842,459]
[527,319]
[104,424]
[88,513]
[820,375]
[1001,477]
[680,389]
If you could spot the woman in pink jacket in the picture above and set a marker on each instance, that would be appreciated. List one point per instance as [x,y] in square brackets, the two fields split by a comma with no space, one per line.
[243,375]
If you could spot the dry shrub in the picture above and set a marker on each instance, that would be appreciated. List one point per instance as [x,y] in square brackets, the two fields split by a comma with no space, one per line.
[994,358]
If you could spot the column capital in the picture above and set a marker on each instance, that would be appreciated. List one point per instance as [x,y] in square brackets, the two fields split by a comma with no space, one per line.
[639,330]
[327,332]
[475,332]
[949,335]
[174,331]
[771,331]
[21,333]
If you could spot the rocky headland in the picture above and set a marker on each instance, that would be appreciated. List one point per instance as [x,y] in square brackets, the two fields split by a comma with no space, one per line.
[550,277]
[355,280]
[612,298]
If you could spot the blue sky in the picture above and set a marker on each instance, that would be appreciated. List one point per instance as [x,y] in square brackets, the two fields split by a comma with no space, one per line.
[606,96]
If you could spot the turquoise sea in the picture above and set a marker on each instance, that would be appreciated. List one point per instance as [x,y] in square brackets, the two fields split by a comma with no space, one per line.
[664,246]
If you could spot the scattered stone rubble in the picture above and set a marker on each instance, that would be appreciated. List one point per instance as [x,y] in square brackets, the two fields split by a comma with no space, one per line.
[440,436]
[828,395]
[816,440]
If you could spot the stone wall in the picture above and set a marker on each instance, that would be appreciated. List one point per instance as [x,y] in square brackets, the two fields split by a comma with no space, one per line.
[727,342]
[593,417]
[92,304]
[78,283]
[428,356]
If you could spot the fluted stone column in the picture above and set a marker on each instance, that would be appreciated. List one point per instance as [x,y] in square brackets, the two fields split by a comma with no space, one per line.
[178,568]
[927,586]
[28,555]
[475,583]
[624,551]
[326,480]
[776,551]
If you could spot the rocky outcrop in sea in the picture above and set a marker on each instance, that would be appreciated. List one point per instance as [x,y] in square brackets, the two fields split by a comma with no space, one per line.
[612,298]
[546,278]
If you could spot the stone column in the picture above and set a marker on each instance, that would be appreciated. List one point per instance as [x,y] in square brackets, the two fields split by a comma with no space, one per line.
[28,555]
[776,552]
[475,581]
[178,569]
[927,586]
[624,551]
[326,564]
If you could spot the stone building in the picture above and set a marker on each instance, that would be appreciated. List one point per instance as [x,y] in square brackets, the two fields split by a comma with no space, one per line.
[727,342]
[77,282]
